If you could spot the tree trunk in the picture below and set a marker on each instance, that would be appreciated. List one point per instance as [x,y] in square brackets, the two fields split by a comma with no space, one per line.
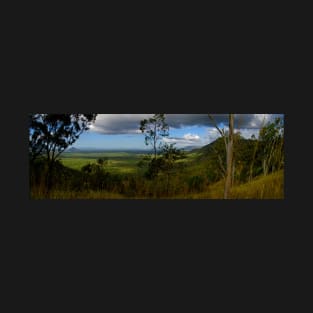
[155,142]
[230,151]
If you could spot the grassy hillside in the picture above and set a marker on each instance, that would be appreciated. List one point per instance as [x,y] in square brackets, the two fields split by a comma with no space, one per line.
[196,176]
[262,187]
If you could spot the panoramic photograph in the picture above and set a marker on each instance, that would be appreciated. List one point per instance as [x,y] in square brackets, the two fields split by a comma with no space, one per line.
[156,156]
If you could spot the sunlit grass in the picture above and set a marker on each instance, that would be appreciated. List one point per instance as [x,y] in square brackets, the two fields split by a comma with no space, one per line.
[262,187]
[118,162]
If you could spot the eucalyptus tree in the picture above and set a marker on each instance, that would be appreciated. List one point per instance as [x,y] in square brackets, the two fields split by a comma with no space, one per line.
[228,138]
[154,129]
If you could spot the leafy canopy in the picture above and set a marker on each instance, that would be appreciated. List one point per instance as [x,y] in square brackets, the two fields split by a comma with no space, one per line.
[51,134]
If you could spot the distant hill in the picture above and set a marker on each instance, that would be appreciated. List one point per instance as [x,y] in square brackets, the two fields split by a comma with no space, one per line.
[209,148]
[190,148]
[212,158]
[72,149]
[101,150]
[218,144]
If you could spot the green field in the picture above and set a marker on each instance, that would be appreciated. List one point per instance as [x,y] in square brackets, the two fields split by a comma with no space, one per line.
[118,162]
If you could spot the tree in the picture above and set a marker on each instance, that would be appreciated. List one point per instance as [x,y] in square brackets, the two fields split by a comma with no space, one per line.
[229,147]
[103,161]
[170,155]
[36,138]
[255,149]
[230,152]
[272,146]
[51,134]
[154,129]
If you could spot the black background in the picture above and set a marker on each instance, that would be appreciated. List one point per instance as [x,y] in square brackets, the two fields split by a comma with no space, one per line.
[59,94]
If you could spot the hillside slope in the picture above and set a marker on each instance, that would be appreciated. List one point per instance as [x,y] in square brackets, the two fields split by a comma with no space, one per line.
[262,187]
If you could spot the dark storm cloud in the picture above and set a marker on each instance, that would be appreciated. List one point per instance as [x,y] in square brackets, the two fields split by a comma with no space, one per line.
[129,123]
[247,121]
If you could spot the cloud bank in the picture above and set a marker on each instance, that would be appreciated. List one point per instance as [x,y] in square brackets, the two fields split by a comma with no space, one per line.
[129,123]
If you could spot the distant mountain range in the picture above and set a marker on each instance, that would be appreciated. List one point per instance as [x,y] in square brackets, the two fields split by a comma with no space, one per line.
[191,148]
[82,150]
[72,149]
[88,150]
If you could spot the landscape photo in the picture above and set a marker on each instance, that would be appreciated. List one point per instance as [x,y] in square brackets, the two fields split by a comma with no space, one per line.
[156,156]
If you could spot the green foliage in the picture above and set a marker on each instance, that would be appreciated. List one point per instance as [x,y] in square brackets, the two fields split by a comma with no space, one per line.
[173,174]
[51,134]
[154,167]
[272,144]
[103,161]
[196,183]
[154,129]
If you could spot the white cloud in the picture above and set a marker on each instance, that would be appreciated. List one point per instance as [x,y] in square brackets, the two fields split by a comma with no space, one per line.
[191,137]
[212,135]
[247,133]
[259,120]
[186,140]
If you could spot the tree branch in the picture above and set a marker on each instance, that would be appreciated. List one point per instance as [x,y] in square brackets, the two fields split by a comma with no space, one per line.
[222,132]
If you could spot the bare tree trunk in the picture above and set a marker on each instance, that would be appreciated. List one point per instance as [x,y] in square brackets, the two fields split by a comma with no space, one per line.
[155,142]
[230,152]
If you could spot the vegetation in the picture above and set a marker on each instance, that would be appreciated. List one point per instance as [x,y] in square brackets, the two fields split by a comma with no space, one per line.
[49,136]
[229,148]
[154,129]
[257,170]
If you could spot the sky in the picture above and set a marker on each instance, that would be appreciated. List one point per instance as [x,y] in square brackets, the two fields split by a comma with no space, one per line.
[121,131]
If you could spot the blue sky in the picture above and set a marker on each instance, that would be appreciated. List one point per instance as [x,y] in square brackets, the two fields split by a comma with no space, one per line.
[121,131]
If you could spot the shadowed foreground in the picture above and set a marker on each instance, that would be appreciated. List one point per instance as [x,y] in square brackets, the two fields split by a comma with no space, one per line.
[262,187]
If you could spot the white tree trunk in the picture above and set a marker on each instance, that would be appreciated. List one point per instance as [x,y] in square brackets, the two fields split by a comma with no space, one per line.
[230,151]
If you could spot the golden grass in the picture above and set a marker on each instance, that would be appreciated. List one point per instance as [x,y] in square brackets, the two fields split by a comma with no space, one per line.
[262,187]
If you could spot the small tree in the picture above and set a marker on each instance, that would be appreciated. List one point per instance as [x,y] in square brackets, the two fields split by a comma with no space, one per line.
[154,128]
[103,161]
[170,155]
